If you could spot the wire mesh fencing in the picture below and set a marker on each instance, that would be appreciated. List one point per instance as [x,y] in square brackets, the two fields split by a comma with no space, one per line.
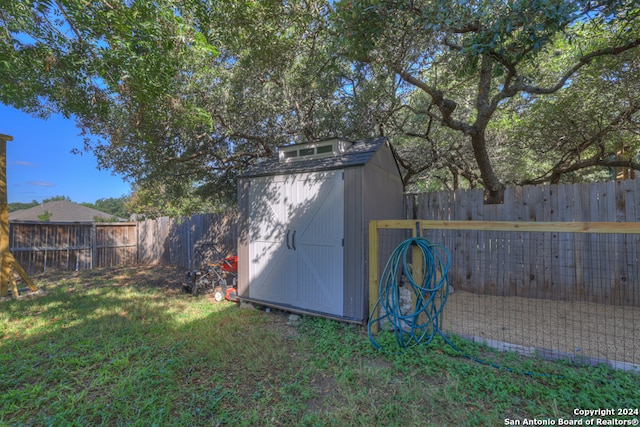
[559,291]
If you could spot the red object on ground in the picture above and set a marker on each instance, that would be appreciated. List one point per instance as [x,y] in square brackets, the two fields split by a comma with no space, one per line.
[232,295]
[230,264]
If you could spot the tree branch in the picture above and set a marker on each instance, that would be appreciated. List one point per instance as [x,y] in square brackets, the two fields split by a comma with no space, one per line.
[586,59]
[446,106]
[566,164]
[71,24]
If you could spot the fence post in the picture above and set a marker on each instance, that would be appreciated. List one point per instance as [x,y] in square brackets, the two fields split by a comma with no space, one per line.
[94,246]
[6,257]
[417,269]
[373,274]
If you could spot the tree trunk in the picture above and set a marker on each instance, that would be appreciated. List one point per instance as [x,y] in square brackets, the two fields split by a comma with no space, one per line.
[494,189]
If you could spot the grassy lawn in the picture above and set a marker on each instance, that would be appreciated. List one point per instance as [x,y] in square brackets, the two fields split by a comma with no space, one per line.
[126,347]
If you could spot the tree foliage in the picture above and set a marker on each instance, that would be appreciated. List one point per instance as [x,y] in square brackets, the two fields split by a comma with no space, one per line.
[590,127]
[16,206]
[471,59]
[181,96]
[110,205]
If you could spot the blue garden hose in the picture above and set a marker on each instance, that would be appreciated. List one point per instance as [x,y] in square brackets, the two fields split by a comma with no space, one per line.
[430,294]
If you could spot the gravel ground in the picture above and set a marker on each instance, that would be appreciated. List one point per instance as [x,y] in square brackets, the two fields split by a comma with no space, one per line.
[558,328]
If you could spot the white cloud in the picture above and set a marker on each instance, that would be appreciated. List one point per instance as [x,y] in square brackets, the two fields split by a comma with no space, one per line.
[23,163]
[40,183]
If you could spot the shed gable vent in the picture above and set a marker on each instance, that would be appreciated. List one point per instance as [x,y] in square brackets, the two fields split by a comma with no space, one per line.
[313,150]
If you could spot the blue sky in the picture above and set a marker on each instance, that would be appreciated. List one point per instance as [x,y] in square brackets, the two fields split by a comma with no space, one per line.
[40,164]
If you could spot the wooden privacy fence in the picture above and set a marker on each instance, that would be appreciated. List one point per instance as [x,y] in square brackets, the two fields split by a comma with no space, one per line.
[171,241]
[611,201]
[486,260]
[577,261]
[41,246]
[44,246]
[569,241]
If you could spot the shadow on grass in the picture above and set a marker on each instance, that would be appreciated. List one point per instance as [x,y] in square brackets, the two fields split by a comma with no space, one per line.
[128,347]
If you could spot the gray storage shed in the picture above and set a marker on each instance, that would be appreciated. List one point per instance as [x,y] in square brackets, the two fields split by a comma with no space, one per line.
[304,217]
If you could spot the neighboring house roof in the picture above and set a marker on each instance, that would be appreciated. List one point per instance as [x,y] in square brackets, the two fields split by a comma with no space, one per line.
[60,211]
[357,154]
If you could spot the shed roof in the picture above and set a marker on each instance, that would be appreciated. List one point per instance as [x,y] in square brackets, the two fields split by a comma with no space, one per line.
[357,154]
[60,211]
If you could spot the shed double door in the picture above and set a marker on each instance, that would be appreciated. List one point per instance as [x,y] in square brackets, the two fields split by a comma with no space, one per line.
[296,238]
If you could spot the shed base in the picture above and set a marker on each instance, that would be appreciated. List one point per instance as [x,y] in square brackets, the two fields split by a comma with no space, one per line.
[298,310]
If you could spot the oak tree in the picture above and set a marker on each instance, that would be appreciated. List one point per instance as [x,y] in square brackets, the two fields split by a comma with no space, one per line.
[493,46]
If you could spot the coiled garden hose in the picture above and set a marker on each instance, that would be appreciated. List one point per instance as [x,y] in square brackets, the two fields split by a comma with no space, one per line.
[430,292]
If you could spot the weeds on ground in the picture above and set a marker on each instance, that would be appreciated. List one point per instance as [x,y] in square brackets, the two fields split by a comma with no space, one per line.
[126,347]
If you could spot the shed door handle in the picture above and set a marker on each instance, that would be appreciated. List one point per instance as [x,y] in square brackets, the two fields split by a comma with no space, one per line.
[288,246]
[293,240]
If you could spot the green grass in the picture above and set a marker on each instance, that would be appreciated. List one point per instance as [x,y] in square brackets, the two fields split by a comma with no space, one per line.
[126,347]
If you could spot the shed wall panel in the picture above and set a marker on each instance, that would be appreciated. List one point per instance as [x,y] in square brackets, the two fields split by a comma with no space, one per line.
[382,198]
[354,253]
[372,191]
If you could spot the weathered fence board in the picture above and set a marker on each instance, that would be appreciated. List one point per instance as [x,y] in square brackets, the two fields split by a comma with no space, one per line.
[44,246]
[597,267]
[39,246]
[180,242]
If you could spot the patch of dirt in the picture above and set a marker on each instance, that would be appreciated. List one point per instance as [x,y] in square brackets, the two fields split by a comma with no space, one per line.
[171,278]
[580,329]
[168,277]
[324,386]
[281,321]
